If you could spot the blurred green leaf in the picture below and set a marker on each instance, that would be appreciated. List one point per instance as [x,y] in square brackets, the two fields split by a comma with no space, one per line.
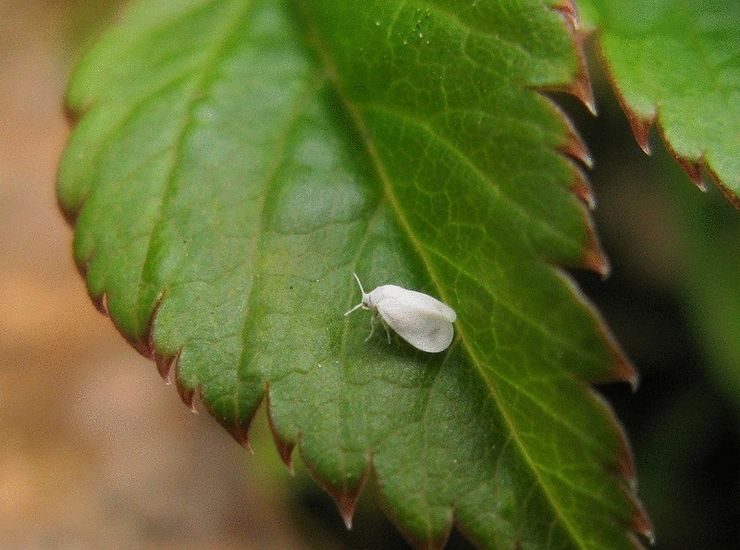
[238,160]
[677,63]
[708,277]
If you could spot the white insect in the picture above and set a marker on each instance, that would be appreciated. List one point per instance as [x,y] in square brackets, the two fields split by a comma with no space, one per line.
[423,321]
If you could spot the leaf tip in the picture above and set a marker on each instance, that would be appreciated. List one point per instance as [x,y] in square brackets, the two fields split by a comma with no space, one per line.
[640,124]
[623,370]
[691,167]
[594,258]
[569,11]
[642,525]
[189,396]
[166,364]
[620,370]
[347,503]
[573,145]
[239,430]
[575,148]
[623,467]
[345,496]
[582,189]
[580,86]
[283,445]
[101,303]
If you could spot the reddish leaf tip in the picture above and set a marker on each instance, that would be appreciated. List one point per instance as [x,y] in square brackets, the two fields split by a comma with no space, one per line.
[189,396]
[623,370]
[165,364]
[582,189]
[101,304]
[569,11]
[345,496]
[575,148]
[692,169]
[284,446]
[640,124]
[240,432]
[640,128]
[581,88]
[346,502]
[642,525]
[594,258]
[285,450]
[580,85]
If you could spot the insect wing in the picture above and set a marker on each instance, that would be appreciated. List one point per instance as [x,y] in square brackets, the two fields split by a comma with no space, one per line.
[426,328]
[412,300]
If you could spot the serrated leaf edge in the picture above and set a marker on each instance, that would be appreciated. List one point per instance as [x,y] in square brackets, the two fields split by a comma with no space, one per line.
[642,124]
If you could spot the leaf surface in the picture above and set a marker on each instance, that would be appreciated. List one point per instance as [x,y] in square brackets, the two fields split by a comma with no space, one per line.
[677,63]
[235,161]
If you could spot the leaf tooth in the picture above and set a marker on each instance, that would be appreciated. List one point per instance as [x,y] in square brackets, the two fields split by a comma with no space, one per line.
[149,327]
[622,369]
[284,445]
[581,188]
[639,123]
[690,166]
[575,147]
[191,398]
[236,425]
[641,524]
[580,86]
[593,257]
[346,504]
[640,128]
[569,11]
[101,303]
[346,498]
[239,429]
[345,495]
[165,364]
[730,195]
[624,469]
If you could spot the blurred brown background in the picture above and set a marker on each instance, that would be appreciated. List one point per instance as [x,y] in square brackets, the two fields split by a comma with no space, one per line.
[96,451]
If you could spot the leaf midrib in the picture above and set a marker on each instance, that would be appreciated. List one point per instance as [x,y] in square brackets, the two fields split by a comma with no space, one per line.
[314,40]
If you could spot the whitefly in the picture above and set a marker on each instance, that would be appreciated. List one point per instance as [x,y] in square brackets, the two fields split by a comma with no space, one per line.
[423,321]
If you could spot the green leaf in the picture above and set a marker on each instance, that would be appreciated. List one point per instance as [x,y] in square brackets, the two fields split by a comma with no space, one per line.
[676,62]
[235,161]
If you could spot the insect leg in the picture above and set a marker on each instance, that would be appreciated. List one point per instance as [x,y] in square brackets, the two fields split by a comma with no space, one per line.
[372,327]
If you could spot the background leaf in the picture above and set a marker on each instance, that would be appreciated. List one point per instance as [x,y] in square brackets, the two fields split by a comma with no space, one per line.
[677,63]
[237,161]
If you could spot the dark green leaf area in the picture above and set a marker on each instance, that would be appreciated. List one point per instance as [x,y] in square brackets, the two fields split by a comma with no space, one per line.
[237,161]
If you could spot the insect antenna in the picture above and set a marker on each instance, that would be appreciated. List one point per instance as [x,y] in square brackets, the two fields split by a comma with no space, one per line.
[359,283]
[363,294]
[358,306]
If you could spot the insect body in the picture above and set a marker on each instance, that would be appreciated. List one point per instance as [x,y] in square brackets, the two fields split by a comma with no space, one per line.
[423,321]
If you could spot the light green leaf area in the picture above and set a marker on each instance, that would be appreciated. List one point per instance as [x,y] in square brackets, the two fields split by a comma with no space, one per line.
[236,161]
[678,62]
